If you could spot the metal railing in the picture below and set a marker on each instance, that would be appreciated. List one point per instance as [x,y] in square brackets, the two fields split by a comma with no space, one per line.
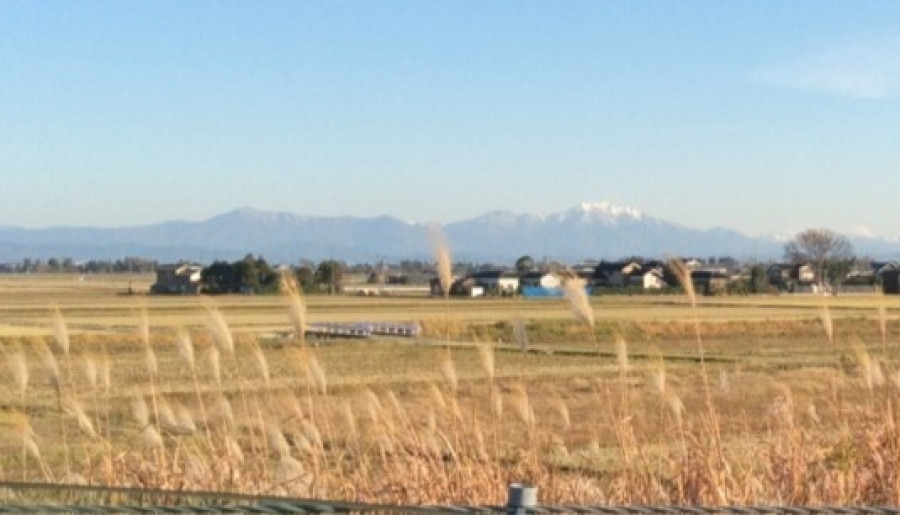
[24,497]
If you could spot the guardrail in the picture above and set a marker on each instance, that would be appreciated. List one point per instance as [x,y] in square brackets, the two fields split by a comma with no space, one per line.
[24,497]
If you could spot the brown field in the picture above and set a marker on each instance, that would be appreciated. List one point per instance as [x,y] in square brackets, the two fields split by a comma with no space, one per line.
[740,400]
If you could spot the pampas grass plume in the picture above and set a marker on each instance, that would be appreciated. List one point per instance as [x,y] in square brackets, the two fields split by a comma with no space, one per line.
[151,437]
[105,371]
[573,289]
[184,419]
[449,372]
[215,365]
[49,361]
[220,331]
[222,411]
[91,370]
[316,373]
[683,275]
[442,258]
[870,368]
[497,402]
[261,362]
[140,411]
[18,367]
[143,327]
[185,347]
[676,406]
[827,323]
[29,443]
[73,409]
[234,449]
[486,356]
[167,414]
[522,405]
[296,308]
[622,353]
[277,442]
[151,361]
[438,396]
[60,331]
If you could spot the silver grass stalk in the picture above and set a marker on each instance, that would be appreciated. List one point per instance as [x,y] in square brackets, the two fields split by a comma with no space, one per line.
[215,364]
[683,275]
[140,411]
[622,353]
[486,356]
[49,361]
[261,362]
[827,323]
[316,373]
[105,372]
[234,449]
[18,367]
[221,332]
[60,332]
[73,409]
[185,420]
[296,307]
[185,347]
[151,437]
[167,414]
[143,327]
[277,442]
[29,443]
[442,258]
[91,371]
[449,372]
[580,305]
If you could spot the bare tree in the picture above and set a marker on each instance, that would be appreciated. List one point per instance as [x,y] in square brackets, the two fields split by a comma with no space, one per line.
[827,251]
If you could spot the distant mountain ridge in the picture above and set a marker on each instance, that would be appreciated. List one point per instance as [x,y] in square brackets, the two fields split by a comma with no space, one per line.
[590,230]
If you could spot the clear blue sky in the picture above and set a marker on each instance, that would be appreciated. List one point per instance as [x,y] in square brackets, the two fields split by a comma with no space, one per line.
[763,116]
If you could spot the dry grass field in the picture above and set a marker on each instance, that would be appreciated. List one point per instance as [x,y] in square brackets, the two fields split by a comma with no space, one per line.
[756,400]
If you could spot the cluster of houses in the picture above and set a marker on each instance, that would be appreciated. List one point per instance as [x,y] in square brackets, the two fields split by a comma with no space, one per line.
[633,275]
[709,278]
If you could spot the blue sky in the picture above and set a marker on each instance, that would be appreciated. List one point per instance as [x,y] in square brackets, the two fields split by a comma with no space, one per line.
[762,116]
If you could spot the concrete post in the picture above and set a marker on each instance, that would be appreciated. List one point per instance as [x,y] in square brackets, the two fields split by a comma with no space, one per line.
[522,498]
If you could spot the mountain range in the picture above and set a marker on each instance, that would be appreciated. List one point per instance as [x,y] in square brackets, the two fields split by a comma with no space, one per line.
[590,230]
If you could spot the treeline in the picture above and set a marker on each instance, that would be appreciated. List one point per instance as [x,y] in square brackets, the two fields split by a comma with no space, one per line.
[255,275]
[69,266]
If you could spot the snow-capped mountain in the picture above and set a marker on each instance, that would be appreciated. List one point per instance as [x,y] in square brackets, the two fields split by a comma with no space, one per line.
[590,230]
